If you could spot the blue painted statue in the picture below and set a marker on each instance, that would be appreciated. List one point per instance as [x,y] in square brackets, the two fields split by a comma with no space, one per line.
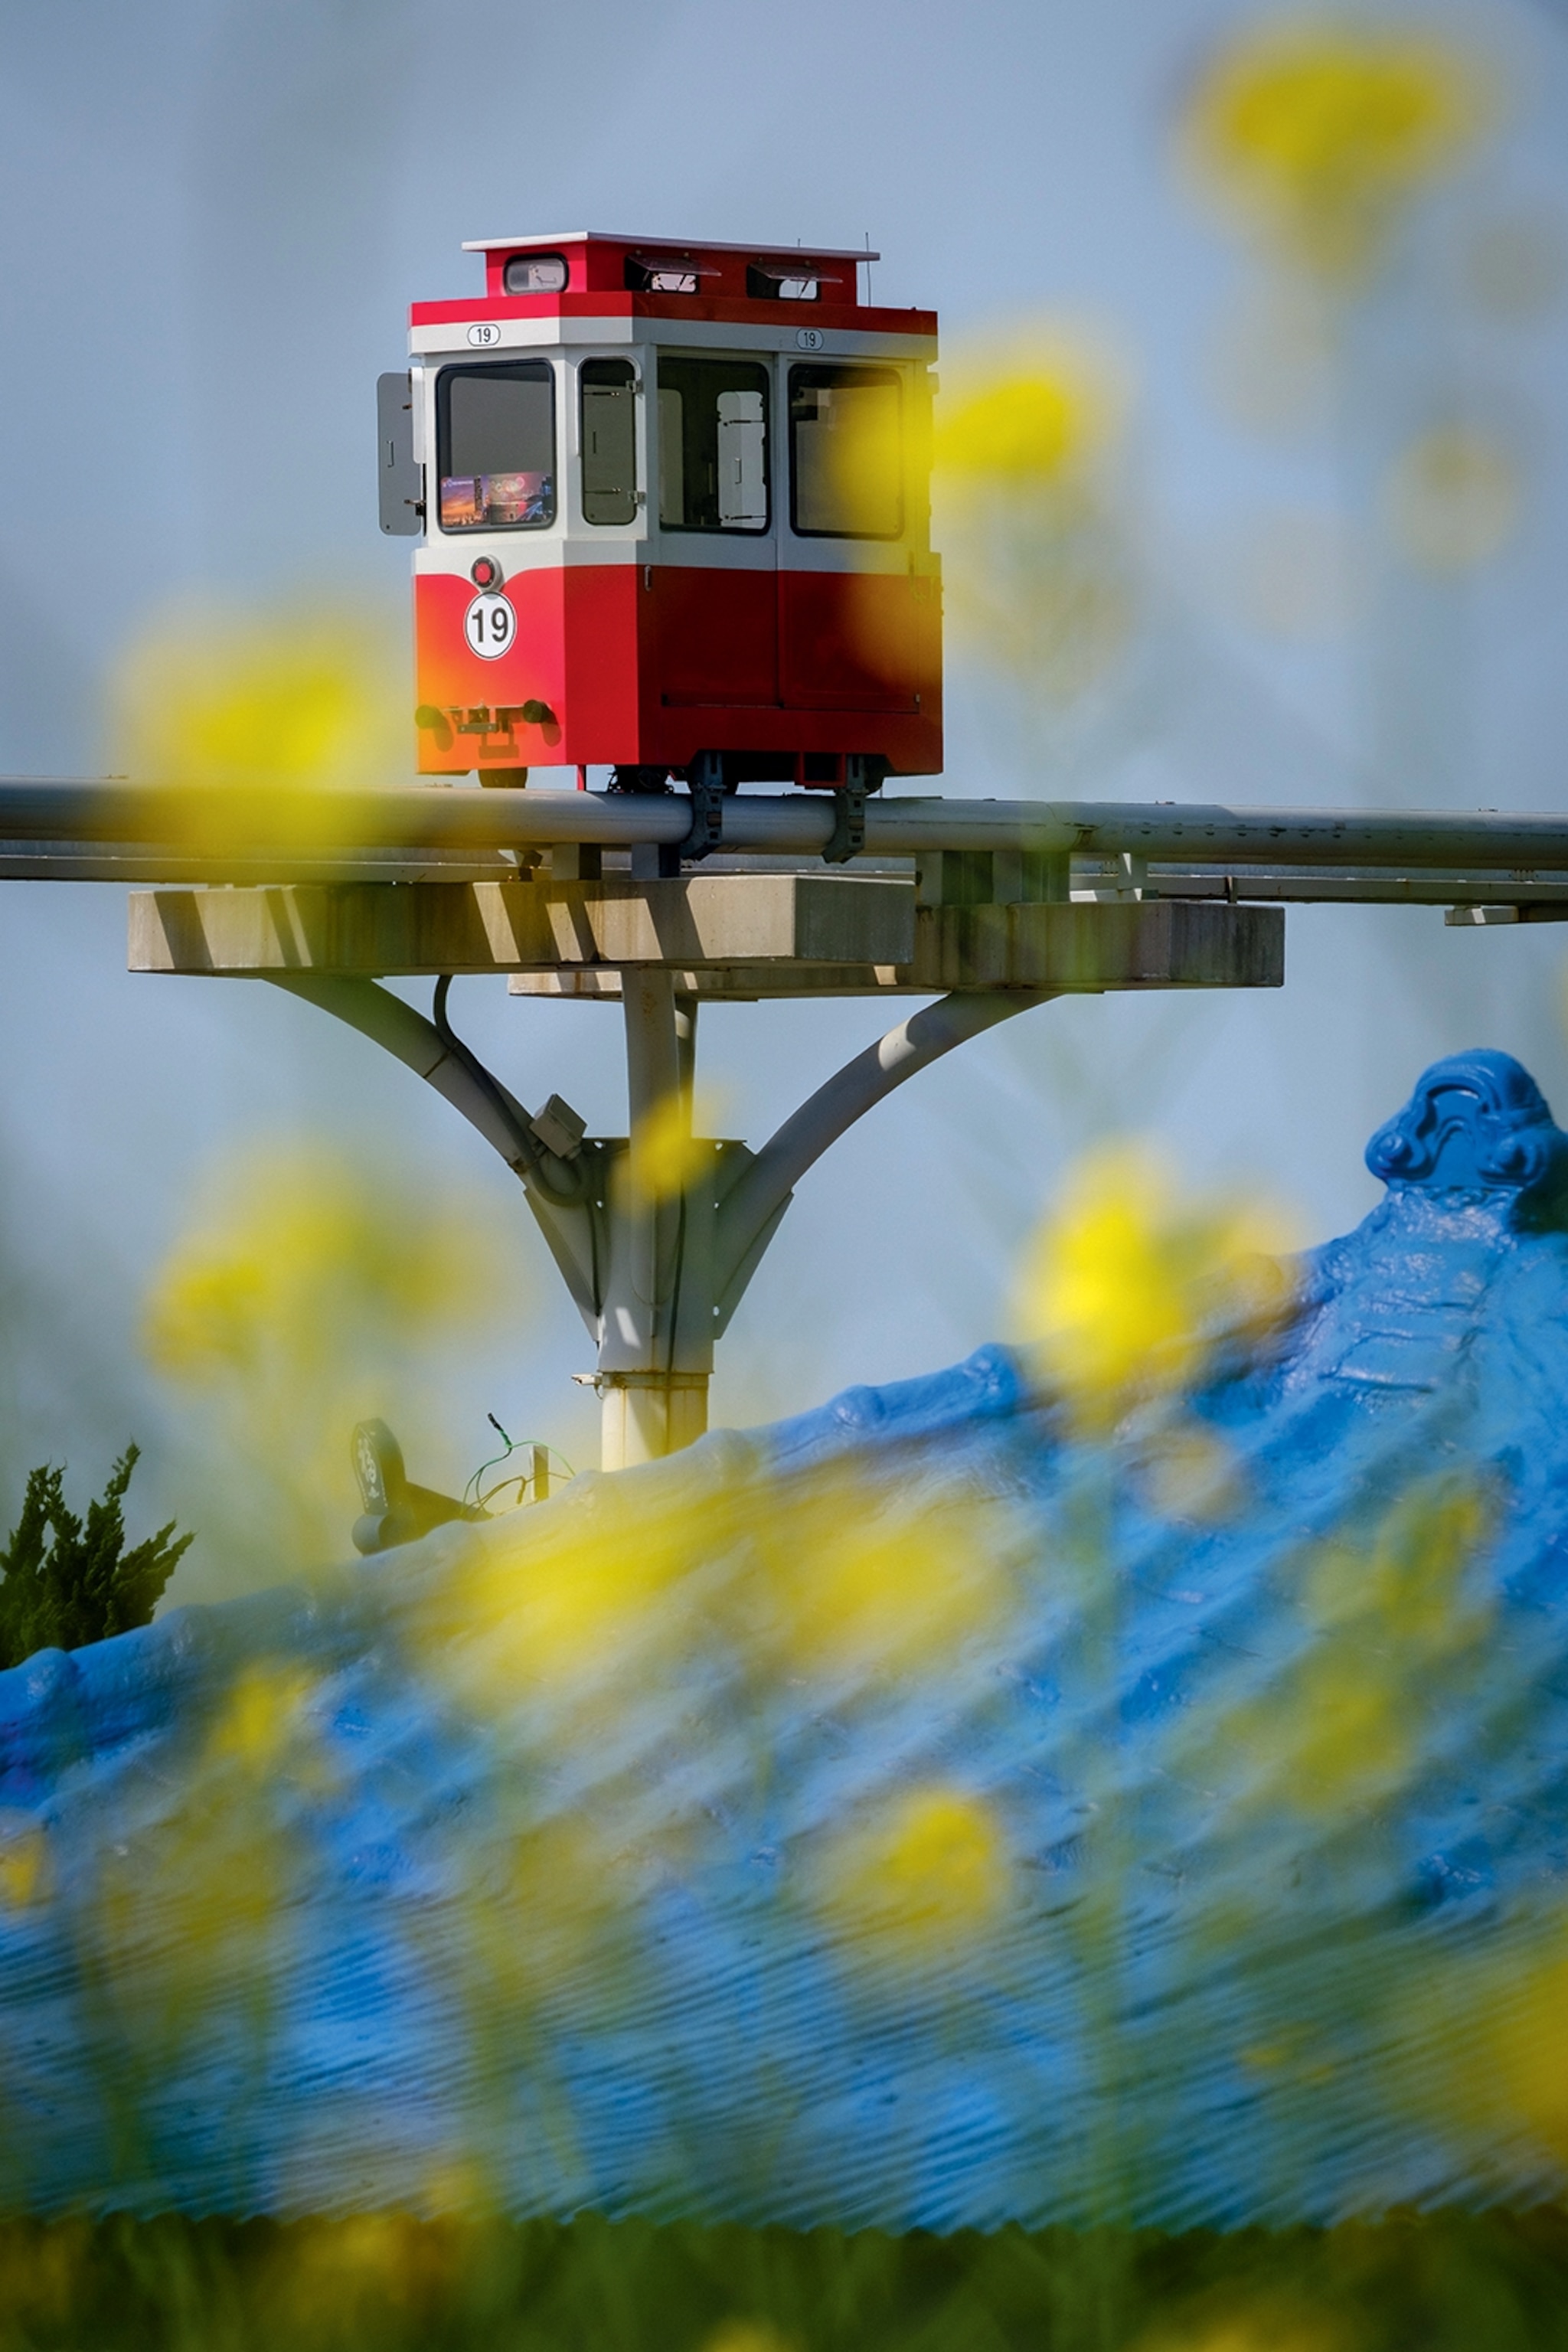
[975,1801]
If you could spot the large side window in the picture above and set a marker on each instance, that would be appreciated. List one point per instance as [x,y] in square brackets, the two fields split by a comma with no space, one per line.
[846,464]
[495,446]
[608,393]
[713,445]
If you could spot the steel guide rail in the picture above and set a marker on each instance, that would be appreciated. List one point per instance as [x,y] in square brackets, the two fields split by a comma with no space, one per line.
[91,831]
[1541,897]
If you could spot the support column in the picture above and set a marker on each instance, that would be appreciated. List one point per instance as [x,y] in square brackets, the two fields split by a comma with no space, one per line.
[646,1415]
[656,1351]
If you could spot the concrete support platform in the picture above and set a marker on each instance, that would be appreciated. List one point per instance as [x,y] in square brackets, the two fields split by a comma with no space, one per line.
[539,924]
[1091,945]
[725,935]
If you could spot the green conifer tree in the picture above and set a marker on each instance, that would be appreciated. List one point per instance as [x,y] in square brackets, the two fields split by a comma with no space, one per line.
[66,1584]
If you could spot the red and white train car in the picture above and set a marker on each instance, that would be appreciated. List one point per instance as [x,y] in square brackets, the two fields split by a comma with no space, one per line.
[675,516]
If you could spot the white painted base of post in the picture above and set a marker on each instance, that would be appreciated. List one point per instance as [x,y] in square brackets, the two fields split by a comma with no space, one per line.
[646,1415]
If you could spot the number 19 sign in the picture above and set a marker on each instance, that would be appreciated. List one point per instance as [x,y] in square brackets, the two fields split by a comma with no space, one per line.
[490,626]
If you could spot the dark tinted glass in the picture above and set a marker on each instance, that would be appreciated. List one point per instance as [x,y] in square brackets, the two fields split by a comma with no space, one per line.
[495,431]
[713,445]
[609,441]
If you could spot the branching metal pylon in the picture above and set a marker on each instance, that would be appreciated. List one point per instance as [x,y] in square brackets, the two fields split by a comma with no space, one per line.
[989,908]
[659,1234]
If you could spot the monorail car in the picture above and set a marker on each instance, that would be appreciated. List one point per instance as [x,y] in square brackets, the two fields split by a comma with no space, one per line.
[673,511]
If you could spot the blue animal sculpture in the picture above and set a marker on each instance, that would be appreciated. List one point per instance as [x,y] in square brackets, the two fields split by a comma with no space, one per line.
[945,1809]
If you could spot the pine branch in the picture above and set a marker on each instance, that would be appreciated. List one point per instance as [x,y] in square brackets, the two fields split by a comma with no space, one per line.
[63,1584]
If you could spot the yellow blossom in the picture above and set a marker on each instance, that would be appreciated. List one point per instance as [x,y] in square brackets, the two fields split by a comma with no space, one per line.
[665,1153]
[1394,1626]
[1033,407]
[928,1871]
[1126,1282]
[1028,506]
[254,719]
[23,1862]
[746,2335]
[293,1306]
[1315,132]
[1453,499]
[855,1585]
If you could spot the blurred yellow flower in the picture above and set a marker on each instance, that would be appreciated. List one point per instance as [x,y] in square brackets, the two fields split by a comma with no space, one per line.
[1394,1626]
[359,2276]
[856,1585]
[746,2335]
[263,1731]
[43,2266]
[298,698]
[1518,2045]
[194,1912]
[1271,2327]
[1032,424]
[301,1301]
[1127,1282]
[256,719]
[1040,573]
[1030,409]
[1491,2027]
[1453,499]
[666,1153]
[1316,130]
[927,1870]
[587,1595]
[23,1862]
[302,1246]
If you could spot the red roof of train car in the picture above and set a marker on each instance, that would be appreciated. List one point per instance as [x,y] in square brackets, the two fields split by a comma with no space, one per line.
[602,269]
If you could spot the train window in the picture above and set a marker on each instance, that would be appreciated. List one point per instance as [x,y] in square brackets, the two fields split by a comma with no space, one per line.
[495,446]
[845,453]
[777,282]
[678,275]
[534,273]
[608,393]
[713,445]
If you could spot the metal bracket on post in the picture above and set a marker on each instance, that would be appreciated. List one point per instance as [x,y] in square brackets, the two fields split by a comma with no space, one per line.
[564,1195]
[705,779]
[847,838]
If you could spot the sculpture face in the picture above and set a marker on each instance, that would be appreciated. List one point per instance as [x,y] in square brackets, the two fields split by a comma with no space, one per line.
[1477,1122]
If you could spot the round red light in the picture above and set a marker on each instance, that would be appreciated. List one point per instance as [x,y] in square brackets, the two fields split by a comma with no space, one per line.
[485,571]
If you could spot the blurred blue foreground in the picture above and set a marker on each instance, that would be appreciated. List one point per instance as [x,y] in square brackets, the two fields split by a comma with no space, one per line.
[945,1808]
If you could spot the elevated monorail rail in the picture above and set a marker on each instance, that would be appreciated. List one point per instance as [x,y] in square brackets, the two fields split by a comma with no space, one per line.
[93,829]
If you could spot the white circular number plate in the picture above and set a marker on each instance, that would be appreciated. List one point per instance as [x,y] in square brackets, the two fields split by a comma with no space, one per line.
[810,339]
[485,336]
[490,626]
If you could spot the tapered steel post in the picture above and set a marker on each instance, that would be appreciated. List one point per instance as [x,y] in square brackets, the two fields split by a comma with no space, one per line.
[655,1347]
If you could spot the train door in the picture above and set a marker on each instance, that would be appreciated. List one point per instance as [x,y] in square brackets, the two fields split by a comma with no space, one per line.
[717,625]
[849,628]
